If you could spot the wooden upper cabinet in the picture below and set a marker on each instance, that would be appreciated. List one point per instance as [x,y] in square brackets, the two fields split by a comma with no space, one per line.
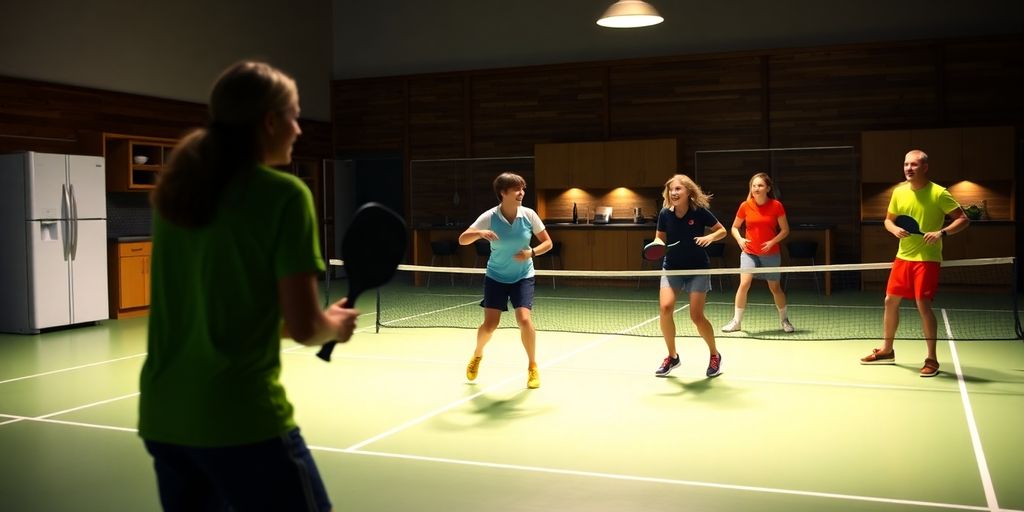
[587,165]
[621,163]
[944,147]
[624,162]
[977,154]
[659,162]
[551,166]
[988,153]
[882,155]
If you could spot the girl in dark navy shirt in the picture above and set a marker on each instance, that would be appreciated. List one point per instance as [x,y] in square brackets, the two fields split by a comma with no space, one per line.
[685,219]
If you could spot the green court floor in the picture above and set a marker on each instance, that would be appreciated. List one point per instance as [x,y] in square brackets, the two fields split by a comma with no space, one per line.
[791,425]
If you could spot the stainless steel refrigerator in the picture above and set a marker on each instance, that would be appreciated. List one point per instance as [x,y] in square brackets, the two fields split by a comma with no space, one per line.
[53,247]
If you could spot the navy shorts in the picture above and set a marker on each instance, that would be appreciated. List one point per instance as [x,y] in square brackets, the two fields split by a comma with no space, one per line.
[276,474]
[498,295]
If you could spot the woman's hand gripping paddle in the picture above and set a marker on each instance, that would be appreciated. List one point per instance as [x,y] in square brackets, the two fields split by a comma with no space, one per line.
[657,249]
[908,224]
[372,249]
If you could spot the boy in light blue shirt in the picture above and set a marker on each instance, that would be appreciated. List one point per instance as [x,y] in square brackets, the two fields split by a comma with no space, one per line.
[508,227]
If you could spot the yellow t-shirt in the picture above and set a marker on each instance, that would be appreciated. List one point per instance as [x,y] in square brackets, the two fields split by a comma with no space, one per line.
[928,206]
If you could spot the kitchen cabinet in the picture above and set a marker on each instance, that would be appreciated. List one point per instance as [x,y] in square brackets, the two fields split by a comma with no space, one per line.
[988,153]
[944,147]
[133,163]
[657,162]
[977,154]
[586,165]
[623,160]
[622,163]
[551,166]
[129,278]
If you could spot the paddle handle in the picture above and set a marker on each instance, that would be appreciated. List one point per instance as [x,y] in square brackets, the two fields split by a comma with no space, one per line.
[325,351]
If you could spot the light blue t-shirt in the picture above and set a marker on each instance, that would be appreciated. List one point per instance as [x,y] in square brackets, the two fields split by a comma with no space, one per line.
[512,237]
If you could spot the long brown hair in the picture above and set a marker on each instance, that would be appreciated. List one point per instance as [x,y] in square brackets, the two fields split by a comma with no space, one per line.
[698,199]
[767,181]
[205,160]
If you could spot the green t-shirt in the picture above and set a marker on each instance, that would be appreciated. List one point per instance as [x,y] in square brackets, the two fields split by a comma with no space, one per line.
[211,376]
[929,206]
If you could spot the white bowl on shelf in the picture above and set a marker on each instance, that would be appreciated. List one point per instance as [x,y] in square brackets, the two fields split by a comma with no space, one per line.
[140,159]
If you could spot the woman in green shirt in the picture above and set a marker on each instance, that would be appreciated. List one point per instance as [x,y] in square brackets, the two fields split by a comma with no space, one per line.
[235,252]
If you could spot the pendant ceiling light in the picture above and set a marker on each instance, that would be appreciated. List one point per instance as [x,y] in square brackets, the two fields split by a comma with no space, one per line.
[630,14]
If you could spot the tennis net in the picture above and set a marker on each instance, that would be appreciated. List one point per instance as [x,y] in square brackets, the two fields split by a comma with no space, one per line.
[977,300]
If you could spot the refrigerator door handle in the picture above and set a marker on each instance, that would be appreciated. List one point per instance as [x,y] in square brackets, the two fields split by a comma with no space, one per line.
[65,213]
[74,222]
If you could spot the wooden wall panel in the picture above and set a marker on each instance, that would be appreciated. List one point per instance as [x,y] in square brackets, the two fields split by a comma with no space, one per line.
[826,97]
[369,114]
[437,117]
[38,116]
[315,141]
[712,103]
[513,111]
[455,192]
[983,81]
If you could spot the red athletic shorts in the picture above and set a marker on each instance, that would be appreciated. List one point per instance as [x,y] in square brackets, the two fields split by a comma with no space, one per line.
[913,279]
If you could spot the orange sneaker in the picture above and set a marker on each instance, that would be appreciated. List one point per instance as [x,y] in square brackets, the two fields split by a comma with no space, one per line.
[930,368]
[877,357]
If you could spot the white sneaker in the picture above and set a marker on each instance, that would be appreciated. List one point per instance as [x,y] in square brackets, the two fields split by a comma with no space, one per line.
[786,326]
[732,326]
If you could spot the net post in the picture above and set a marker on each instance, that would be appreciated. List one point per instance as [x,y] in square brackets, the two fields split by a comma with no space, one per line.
[377,314]
[1016,305]
[327,285]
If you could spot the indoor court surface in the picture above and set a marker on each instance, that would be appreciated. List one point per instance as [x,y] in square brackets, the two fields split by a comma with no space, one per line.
[791,424]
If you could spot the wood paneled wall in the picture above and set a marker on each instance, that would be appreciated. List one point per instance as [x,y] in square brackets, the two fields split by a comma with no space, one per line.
[787,98]
[39,116]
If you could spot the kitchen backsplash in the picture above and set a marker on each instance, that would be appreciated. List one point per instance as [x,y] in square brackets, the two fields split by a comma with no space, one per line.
[128,214]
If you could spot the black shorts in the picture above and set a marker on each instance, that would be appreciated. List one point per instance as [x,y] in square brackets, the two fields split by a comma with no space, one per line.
[276,474]
[497,295]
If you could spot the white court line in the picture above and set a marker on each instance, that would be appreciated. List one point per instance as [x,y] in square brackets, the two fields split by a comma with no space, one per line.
[45,417]
[71,423]
[79,367]
[979,452]
[670,481]
[452,405]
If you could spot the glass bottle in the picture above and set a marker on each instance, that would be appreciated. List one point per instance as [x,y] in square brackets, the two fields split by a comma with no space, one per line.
[575,216]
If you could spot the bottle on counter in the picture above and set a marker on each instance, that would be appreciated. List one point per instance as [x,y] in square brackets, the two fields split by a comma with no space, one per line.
[575,216]
[984,210]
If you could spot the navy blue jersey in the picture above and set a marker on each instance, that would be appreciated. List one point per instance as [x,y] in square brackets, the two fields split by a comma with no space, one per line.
[687,255]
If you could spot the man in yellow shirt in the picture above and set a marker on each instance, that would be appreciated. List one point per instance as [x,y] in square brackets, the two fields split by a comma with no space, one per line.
[915,272]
